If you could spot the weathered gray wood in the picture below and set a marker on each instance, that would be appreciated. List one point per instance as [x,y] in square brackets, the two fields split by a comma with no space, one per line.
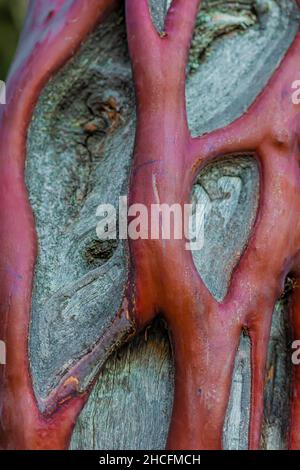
[70,171]
[278,381]
[134,392]
[235,434]
[230,191]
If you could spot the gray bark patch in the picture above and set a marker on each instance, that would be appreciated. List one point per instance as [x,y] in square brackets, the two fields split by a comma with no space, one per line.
[235,432]
[277,397]
[228,190]
[85,126]
[134,394]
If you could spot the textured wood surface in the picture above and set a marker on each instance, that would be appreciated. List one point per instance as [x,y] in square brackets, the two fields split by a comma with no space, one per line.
[70,171]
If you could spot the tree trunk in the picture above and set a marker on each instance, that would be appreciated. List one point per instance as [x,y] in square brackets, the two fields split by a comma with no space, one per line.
[79,155]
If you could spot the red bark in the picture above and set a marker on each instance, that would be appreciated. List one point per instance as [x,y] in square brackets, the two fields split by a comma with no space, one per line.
[163,278]
[206,333]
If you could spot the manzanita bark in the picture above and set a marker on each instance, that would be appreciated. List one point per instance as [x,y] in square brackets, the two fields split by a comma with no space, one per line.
[163,278]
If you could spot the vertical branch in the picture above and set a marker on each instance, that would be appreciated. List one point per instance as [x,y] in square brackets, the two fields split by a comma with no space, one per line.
[139,19]
[141,33]
[180,23]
